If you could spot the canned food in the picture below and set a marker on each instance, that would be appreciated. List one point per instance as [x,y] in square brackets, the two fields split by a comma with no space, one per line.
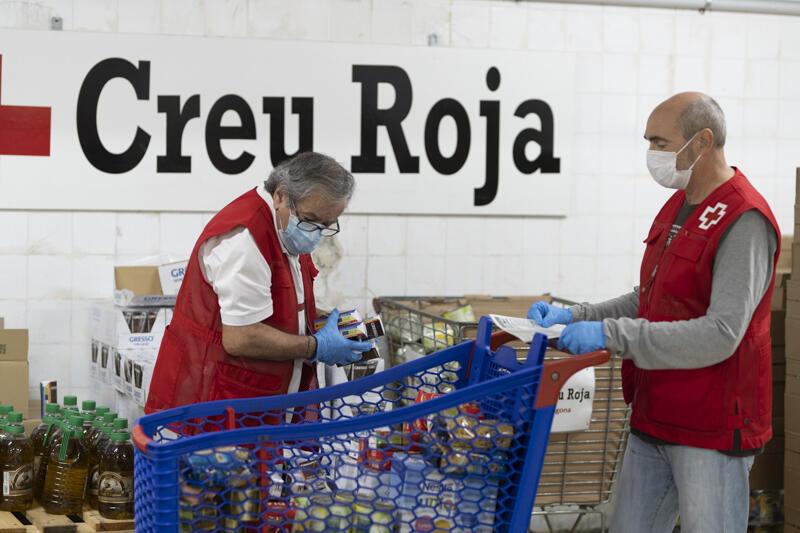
[467,421]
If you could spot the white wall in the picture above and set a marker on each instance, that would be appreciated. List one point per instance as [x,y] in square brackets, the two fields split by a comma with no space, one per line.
[53,264]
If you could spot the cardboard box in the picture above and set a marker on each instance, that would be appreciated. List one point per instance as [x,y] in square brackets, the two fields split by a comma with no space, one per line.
[792,412]
[792,368]
[791,483]
[139,286]
[779,289]
[113,325]
[792,377]
[142,376]
[134,347]
[785,259]
[795,253]
[14,384]
[793,290]
[792,335]
[13,345]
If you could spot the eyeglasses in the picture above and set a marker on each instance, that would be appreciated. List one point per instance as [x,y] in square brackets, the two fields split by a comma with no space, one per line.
[326,231]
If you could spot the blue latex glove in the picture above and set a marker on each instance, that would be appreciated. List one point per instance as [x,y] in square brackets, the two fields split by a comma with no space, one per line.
[333,348]
[582,337]
[547,315]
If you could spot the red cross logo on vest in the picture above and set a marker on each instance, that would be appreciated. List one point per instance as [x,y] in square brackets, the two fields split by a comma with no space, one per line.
[712,215]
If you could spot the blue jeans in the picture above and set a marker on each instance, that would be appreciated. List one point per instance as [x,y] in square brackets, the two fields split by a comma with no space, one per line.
[710,489]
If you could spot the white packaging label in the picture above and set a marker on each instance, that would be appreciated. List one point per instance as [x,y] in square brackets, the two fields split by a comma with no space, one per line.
[171,277]
[574,406]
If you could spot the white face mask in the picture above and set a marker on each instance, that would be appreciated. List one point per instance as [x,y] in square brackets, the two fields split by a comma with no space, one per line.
[663,166]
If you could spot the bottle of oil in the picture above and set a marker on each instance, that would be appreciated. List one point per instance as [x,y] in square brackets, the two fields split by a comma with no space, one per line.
[65,481]
[88,406]
[115,493]
[100,410]
[96,442]
[71,403]
[40,437]
[88,424]
[16,463]
[4,410]
[109,417]
[45,447]
[14,417]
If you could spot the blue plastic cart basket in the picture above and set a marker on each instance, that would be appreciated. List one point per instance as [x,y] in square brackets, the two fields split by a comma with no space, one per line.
[450,442]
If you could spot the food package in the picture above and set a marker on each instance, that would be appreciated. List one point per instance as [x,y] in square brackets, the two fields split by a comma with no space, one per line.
[429,497]
[438,336]
[405,328]
[461,314]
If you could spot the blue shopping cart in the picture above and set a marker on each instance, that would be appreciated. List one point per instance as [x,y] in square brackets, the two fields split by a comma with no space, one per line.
[453,441]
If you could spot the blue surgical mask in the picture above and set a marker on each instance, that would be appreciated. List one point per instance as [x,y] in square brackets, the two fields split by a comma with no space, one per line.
[297,241]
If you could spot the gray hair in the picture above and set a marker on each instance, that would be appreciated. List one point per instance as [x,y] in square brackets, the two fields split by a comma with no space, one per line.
[307,171]
[704,112]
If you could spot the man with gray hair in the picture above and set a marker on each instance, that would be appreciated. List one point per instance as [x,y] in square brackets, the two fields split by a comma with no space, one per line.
[244,317]
[694,335]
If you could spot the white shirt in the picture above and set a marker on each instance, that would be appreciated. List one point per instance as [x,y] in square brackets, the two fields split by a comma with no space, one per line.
[241,277]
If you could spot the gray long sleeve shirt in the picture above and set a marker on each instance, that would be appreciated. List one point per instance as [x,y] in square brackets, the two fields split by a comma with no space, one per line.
[742,272]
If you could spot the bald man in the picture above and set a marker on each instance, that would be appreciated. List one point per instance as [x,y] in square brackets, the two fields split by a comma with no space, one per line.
[694,335]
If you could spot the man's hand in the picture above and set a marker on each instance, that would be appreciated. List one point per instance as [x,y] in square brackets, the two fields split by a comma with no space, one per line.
[582,337]
[333,348]
[547,315]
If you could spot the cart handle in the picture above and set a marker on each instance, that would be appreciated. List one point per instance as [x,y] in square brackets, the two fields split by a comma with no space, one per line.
[140,439]
[554,373]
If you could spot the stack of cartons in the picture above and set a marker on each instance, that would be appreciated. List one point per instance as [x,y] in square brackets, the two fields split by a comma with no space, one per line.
[792,387]
[127,333]
[14,368]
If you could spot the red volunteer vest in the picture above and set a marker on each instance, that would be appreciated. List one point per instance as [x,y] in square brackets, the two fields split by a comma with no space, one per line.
[702,407]
[192,365]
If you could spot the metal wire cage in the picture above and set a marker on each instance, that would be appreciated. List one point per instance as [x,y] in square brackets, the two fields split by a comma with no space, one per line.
[579,467]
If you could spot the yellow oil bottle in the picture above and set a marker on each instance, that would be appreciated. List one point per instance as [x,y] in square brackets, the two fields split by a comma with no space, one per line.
[40,437]
[115,491]
[53,438]
[16,463]
[67,470]
[96,442]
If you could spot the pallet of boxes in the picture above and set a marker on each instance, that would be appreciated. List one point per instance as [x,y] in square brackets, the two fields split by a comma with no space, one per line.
[792,403]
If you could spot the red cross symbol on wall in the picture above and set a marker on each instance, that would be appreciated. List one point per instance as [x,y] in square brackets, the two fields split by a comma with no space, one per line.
[24,130]
[712,215]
